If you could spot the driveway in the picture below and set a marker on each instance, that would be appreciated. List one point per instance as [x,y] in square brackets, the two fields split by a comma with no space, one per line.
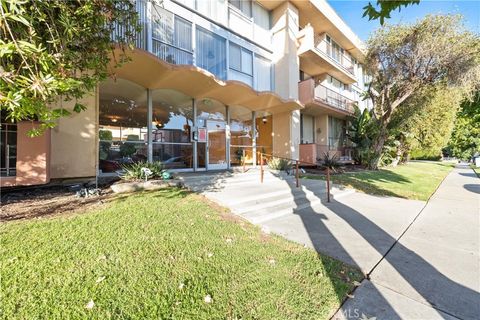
[433,271]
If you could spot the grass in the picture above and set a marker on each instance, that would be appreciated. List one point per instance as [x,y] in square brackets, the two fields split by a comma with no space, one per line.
[158,255]
[414,180]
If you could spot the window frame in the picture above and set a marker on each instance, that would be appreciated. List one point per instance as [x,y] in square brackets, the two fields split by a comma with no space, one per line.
[242,49]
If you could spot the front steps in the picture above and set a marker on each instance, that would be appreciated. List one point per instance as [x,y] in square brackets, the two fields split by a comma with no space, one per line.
[246,196]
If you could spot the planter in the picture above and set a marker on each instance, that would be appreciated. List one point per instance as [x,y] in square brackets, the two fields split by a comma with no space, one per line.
[125,187]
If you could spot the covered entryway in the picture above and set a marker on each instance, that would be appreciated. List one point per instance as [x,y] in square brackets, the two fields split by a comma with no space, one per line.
[182,116]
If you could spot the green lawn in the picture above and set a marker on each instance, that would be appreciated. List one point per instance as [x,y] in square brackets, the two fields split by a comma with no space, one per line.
[414,180]
[162,255]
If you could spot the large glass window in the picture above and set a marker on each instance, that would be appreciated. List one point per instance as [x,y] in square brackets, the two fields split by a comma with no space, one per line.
[122,124]
[336,133]
[245,6]
[172,122]
[8,148]
[261,16]
[307,128]
[211,115]
[211,53]
[263,74]
[172,37]
[241,64]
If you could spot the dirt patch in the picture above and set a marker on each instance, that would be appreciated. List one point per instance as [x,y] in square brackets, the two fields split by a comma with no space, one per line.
[46,201]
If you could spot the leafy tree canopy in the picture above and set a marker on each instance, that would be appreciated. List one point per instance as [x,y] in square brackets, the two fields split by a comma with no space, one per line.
[52,50]
[402,60]
[465,139]
[383,8]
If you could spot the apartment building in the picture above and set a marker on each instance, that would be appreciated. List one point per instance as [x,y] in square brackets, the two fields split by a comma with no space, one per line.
[210,83]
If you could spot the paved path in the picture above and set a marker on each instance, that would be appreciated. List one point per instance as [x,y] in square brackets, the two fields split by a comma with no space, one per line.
[433,271]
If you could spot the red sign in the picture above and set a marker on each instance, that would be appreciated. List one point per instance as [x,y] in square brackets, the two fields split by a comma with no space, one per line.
[202,135]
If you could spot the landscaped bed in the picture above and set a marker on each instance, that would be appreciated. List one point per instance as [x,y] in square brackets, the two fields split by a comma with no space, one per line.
[414,180]
[162,254]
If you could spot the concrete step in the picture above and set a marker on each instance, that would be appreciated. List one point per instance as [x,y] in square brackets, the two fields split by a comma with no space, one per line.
[280,210]
[292,196]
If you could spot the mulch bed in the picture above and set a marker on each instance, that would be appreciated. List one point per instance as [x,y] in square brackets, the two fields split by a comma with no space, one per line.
[30,203]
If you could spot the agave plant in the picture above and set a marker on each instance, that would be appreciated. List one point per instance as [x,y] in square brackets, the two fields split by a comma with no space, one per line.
[135,171]
[331,161]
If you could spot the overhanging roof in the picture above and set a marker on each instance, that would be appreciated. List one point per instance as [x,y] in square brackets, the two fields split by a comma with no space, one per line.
[151,72]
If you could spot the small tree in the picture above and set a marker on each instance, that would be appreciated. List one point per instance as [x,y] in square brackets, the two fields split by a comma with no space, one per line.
[402,59]
[51,50]
[465,139]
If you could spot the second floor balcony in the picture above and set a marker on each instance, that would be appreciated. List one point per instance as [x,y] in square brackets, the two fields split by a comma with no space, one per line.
[319,96]
[317,56]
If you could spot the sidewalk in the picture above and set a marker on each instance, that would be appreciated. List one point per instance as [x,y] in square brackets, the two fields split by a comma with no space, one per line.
[433,271]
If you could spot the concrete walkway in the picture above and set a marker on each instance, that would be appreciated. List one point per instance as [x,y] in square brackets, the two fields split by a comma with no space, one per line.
[433,271]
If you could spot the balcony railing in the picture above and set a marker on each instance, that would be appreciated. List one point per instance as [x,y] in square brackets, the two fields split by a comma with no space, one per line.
[344,61]
[333,98]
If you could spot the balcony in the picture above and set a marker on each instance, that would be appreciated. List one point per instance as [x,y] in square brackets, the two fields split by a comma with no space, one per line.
[314,153]
[314,97]
[318,56]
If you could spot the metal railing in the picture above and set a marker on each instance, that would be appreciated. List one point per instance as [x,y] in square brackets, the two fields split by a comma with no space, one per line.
[263,160]
[344,61]
[333,98]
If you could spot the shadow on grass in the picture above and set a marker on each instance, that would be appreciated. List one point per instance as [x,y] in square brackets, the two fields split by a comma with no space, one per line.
[365,181]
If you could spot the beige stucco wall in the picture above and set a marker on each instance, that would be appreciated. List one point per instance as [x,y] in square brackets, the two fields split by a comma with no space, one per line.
[74,141]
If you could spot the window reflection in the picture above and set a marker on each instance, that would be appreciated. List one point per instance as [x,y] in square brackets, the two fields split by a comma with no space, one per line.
[172,122]
[122,124]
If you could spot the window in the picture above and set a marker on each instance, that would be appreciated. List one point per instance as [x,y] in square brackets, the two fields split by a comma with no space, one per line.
[8,147]
[241,64]
[261,16]
[123,124]
[263,74]
[336,133]
[214,9]
[172,37]
[245,6]
[307,128]
[211,53]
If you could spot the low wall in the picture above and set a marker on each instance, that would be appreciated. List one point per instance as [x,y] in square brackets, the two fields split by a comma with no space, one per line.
[33,158]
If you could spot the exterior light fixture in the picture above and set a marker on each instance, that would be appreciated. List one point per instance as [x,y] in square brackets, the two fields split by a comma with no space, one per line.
[264,119]
[114,120]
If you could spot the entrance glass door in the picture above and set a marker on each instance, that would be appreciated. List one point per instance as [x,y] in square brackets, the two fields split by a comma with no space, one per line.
[216,145]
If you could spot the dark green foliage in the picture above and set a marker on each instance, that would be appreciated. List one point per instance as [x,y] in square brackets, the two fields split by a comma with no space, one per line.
[361,132]
[465,139]
[56,51]
[386,7]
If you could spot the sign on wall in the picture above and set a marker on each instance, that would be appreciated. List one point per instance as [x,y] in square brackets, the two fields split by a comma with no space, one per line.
[202,135]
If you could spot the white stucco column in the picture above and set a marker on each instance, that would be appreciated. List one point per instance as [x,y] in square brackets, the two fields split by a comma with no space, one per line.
[286,126]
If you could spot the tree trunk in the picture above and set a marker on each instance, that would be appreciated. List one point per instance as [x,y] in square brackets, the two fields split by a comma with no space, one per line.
[377,148]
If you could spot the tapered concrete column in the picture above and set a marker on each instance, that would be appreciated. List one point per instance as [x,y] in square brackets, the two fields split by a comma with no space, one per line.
[286,126]
[149,127]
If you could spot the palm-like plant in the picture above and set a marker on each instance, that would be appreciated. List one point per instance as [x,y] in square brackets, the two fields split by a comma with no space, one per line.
[361,131]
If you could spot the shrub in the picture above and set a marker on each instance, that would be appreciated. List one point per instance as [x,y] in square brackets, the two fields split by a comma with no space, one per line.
[133,171]
[331,161]
[279,164]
